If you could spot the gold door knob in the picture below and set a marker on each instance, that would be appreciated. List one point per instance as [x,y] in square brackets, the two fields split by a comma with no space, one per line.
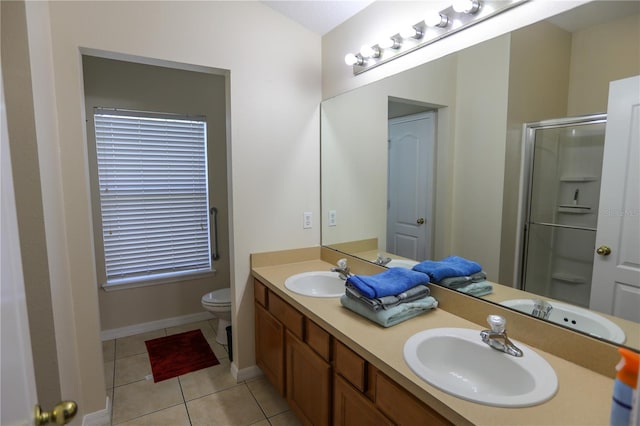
[61,413]
[603,251]
[420,221]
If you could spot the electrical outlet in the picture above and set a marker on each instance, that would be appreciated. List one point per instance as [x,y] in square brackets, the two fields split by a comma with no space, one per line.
[332,218]
[307,220]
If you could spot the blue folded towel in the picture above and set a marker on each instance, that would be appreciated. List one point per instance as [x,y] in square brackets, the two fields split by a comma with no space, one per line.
[391,316]
[452,266]
[386,302]
[388,283]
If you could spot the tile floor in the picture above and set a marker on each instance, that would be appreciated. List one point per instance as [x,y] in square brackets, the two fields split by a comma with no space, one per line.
[206,397]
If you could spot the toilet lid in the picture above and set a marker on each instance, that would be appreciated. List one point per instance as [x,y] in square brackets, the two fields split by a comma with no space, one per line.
[218,297]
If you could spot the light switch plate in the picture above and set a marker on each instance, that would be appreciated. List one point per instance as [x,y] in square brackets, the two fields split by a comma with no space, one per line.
[332,218]
[307,220]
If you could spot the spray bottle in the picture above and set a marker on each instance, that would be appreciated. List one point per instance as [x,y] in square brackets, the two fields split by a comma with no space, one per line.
[624,388]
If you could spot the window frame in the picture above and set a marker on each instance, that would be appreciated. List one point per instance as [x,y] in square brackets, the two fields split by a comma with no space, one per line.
[145,280]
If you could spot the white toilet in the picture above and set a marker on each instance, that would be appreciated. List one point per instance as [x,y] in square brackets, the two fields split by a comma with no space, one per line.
[218,302]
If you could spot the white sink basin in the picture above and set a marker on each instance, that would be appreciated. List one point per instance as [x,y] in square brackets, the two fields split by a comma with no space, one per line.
[316,284]
[574,317]
[401,263]
[457,361]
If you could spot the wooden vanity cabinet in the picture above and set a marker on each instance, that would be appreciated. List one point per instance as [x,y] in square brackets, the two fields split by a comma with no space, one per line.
[323,380]
[308,383]
[362,391]
[269,341]
[294,354]
[351,408]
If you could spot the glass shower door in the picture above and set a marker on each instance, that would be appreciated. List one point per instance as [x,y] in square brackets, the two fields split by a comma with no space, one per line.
[562,217]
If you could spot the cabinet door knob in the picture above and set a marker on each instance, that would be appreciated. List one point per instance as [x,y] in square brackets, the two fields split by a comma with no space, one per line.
[603,251]
[420,221]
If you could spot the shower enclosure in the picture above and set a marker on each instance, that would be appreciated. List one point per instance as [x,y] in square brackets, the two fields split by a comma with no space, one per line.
[564,161]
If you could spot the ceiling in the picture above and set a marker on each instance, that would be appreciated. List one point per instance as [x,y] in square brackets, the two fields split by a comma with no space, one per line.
[319,16]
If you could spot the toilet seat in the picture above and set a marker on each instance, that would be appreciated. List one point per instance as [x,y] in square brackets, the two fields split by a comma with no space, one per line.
[220,297]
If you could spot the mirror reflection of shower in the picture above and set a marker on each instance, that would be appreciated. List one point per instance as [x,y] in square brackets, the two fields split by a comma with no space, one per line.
[565,167]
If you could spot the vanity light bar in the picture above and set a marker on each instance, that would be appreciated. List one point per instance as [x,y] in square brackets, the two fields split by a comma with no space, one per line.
[435,26]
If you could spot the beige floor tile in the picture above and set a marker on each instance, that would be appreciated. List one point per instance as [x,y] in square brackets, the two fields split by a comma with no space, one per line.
[174,416]
[207,381]
[132,369]
[108,350]
[268,397]
[233,406]
[204,326]
[285,419]
[144,397]
[219,350]
[108,373]
[134,345]
[262,423]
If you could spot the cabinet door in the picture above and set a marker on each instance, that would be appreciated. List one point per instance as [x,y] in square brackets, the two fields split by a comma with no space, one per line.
[402,407]
[308,383]
[270,347]
[352,408]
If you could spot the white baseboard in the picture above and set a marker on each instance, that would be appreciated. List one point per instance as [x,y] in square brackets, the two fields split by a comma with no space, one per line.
[246,373]
[130,330]
[99,418]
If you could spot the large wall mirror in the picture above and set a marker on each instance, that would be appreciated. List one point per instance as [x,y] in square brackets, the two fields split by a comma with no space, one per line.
[460,184]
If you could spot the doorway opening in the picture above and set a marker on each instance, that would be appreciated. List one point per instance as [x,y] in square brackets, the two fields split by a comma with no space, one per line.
[160,163]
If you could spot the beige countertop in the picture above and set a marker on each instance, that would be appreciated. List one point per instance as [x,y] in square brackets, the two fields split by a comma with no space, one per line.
[583,396]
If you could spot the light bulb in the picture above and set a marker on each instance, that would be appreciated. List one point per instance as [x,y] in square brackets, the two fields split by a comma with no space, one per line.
[436,19]
[387,43]
[351,59]
[466,6]
[410,32]
[369,52]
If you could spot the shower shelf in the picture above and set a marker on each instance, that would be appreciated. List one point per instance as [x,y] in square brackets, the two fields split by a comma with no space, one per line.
[574,209]
[568,278]
[579,178]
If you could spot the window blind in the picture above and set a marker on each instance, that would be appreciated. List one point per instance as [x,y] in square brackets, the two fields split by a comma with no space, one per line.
[152,176]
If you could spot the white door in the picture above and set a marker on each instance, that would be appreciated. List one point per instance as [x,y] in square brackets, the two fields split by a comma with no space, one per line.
[410,185]
[18,391]
[615,287]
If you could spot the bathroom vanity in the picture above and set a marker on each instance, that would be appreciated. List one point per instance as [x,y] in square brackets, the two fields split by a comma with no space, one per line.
[336,367]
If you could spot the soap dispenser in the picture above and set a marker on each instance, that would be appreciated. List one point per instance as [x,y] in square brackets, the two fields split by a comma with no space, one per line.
[624,388]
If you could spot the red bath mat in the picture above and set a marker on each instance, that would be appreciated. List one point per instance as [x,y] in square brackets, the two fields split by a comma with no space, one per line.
[179,354]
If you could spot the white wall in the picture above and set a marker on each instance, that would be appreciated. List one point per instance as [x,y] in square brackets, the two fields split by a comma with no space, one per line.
[481,123]
[385,18]
[274,130]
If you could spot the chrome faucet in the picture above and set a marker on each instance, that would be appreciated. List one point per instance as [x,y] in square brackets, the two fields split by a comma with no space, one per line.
[497,336]
[342,269]
[541,309]
[382,260]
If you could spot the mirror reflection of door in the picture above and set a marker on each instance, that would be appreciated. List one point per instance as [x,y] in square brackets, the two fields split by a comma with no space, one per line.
[410,185]
[616,273]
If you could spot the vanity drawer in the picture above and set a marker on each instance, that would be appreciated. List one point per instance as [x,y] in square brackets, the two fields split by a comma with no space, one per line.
[351,366]
[260,292]
[292,319]
[318,339]
[402,407]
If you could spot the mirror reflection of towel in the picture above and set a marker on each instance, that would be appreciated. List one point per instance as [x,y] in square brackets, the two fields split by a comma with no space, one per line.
[452,266]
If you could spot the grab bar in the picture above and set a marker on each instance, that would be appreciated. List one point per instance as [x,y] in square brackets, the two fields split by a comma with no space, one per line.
[214,212]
